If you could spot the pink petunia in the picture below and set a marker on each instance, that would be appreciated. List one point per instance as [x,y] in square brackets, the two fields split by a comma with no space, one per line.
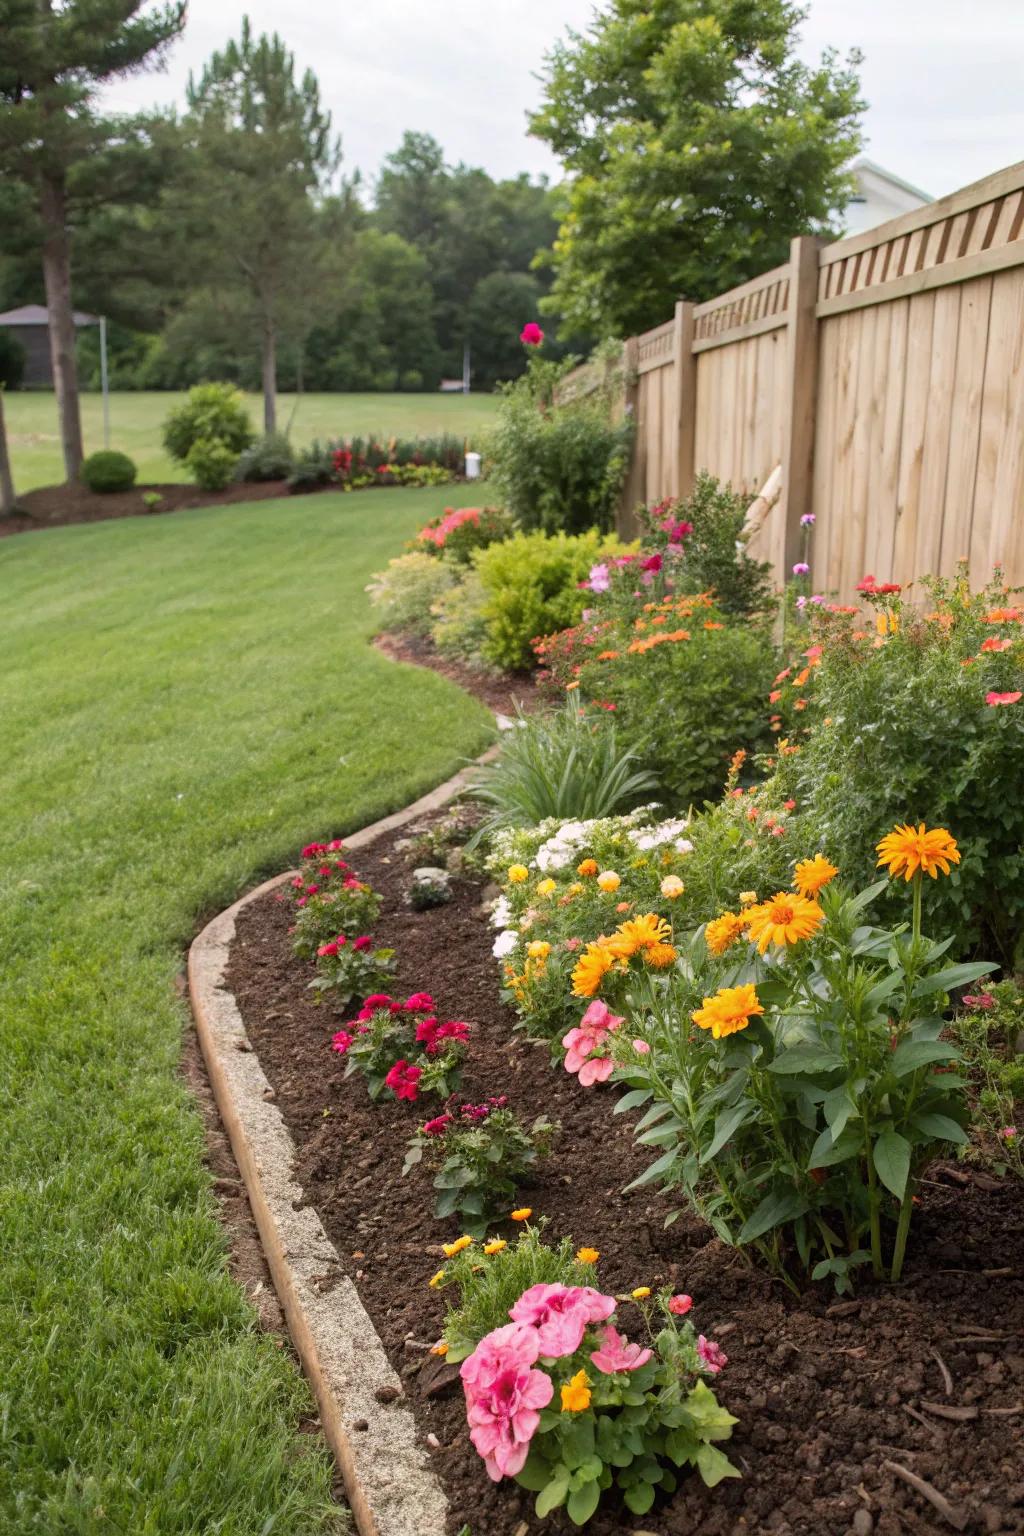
[1002,698]
[531,334]
[560,1314]
[617,1354]
[712,1355]
[403,1080]
[341,1041]
[504,1396]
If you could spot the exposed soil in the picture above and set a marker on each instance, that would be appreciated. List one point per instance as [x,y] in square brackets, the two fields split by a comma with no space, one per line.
[500,691]
[829,1394]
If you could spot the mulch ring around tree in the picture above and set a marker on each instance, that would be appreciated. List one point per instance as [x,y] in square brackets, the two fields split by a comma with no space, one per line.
[832,1395]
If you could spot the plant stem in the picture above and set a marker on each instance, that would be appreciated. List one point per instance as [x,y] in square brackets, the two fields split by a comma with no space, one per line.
[917,909]
[876,1224]
[906,1211]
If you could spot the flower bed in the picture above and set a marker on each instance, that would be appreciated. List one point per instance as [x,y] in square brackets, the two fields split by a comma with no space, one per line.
[829,1394]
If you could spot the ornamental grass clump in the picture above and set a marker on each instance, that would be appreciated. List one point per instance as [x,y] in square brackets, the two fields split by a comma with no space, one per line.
[795,1069]
[481,1154]
[403,1047]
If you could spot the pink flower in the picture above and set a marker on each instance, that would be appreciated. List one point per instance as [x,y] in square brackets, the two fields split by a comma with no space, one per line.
[807,521]
[377,1000]
[1009,1133]
[341,1041]
[641,1047]
[504,1396]
[599,579]
[680,1305]
[560,1314]
[983,1000]
[531,334]
[453,1029]
[426,1035]
[297,883]
[616,1354]
[312,849]
[583,1046]
[652,563]
[419,1002]
[801,568]
[712,1355]
[334,845]
[436,1127]
[329,949]
[403,1080]
[1002,698]
[363,943]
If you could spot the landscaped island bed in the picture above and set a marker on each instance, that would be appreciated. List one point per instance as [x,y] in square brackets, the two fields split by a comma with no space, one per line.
[830,1393]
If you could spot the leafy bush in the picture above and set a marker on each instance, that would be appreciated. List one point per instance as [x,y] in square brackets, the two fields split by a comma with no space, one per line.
[405,593]
[108,471]
[312,469]
[212,413]
[989,1032]
[328,898]
[557,468]
[212,463]
[460,627]
[12,361]
[481,1153]
[563,765]
[700,539]
[270,457]
[350,968]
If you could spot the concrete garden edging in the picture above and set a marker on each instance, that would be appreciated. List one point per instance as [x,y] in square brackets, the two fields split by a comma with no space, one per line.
[367,1422]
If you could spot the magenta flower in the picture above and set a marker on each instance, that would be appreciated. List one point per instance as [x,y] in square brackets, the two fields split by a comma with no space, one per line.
[652,563]
[712,1355]
[341,1041]
[560,1314]
[599,579]
[808,520]
[504,1396]
[982,1000]
[436,1127]
[531,334]
[617,1354]
[1009,1133]
[403,1080]
[801,568]
[364,942]
[419,1002]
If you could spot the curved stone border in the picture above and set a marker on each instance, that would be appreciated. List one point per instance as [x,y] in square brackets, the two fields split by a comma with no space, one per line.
[390,1485]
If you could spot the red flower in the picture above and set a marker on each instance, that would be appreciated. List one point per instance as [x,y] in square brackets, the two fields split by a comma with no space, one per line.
[312,849]
[328,949]
[341,1041]
[403,1080]
[1002,698]
[377,1000]
[436,1126]
[363,943]
[454,1029]
[653,563]
[531,334]
[419,1002]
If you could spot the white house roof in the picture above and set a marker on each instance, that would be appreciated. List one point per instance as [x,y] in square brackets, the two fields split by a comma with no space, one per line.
[862,163]
[38,314]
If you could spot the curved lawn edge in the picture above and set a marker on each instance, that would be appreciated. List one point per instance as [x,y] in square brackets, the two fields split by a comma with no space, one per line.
[391,1488]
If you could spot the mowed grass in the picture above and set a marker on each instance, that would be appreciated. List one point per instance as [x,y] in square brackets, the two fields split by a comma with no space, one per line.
[136,421]
[186,700]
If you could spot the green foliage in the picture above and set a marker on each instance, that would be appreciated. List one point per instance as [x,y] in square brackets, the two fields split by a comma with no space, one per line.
[12,361]
[712,557]
[405,593]
[563,765]
[459,626]
[212,463]
[312,469]
[108,471]
[328,898]
[716,145]
[270,457]
[481,1154]
[557,468]
[989,1033]
[394,1040]
[347,971]
[212,413]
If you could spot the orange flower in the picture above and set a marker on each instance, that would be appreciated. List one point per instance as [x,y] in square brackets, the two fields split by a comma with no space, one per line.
[784,919]
[723,931]
[608,656]
[909,850]
[812,875]
[576,1394]
[638,933]
[660,956]
[1002,616]
[522,1214]
[729,1011]
[587,1255]
[590,970]
[588,867]
[710,624]
[994,644]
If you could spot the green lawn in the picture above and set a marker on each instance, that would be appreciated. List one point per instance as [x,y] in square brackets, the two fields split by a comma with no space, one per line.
[186,700]
[136,420]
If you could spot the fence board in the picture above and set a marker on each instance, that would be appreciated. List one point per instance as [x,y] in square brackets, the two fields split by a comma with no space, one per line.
[972,345]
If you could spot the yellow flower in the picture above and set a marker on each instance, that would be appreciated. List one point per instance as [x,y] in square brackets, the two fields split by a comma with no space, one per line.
[576,888]
[671,887]
[812,875]
[638,933]
[609,880]
[517,873]
[451,1249]
[729,1011]
[546,887]
[539,949]
[747,898]
[590,970]
[641,1292]
[660,956]
[907,850]
[440,1348]
[785,919]
[723,931]
[435,1280]
[576,1394]
[588,867]
[587,1255]
[495,1246]
[523,1214]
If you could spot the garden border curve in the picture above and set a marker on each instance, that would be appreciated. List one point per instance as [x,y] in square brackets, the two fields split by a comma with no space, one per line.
[367,1422]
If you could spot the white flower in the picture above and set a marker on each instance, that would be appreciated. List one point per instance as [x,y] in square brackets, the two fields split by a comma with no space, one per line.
[501,914]
[505,943]
[683,845]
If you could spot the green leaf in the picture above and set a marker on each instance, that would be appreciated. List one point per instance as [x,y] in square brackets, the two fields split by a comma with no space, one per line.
[864,898]
[554,1494]
[536,1473]
[838,1107]
[891,1155]
[582,1503]
[631,1100]
[727,1124]
[663,1164]
[639,1498]
[713,1465]
[940,1126]
[778,1206]
[826,1152]
[806,1057]
[952,976]
[883,989]
[911,1054]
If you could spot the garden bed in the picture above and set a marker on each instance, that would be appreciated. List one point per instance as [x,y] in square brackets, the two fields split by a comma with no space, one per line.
[830,1395]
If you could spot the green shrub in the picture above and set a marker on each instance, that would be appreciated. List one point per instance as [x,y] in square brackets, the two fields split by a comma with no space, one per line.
[12,361]
[557,467]
[711,556]
[108,471]
[532,586]
[406,591]
[460,628]
[212,413]
[312,469]
[269,458]
[212,463]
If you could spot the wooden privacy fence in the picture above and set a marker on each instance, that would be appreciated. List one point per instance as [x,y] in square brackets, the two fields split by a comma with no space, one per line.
[884,372]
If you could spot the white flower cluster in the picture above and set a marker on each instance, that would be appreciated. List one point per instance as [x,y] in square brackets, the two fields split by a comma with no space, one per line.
[657,835]
[505,943]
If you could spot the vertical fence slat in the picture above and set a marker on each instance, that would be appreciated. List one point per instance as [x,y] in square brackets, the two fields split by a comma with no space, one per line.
[798,442]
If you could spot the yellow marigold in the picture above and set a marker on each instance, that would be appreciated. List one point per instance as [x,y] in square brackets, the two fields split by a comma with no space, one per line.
[440,1348]
[588,867]
[451,1249]
[784,919]
[590,970]
[729,1011]
[576,1394]
[517,873]
[722,931]
[641,1292]
[538,949]
[812,875]
[546,887]
[587,1255]
[523,1214]
[609,880]
[435,1280]
[660,956]
[671,887]
[638,933]
[495,1246]
[907,850]
[747,898]
[576,888]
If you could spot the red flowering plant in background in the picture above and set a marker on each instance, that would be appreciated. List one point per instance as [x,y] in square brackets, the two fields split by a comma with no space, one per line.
[403,1047]
[531,334]
[458,531]
[328,899]
[480,1153]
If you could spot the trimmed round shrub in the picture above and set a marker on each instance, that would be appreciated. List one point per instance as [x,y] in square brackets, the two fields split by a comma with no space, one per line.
[212,413]
[108,471]
[269,458]
[212,463]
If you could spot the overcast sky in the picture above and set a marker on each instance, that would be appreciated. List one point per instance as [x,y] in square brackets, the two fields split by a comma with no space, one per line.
[942,77]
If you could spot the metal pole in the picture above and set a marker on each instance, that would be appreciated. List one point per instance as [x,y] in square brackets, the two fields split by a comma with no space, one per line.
[465,369]
[104,381]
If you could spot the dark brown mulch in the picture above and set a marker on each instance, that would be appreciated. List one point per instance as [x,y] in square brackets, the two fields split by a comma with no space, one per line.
[827,1393]
[500,691]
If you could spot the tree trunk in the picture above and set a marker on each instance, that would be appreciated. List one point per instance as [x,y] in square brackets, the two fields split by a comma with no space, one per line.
[269,375]
[7,497]
[57,275]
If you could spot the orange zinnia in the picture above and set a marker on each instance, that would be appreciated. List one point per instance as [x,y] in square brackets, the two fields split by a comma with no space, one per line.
[729,1011]
[641,933]
[785,919]
[660,956]
[723,931]
[907,850]
[812,875]
[590,970]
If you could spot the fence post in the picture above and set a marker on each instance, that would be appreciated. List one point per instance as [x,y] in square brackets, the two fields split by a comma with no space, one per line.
[801,393]
[635,484]
[686,397]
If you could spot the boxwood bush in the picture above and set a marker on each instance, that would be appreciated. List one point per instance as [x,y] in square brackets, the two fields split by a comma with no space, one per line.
[108,471]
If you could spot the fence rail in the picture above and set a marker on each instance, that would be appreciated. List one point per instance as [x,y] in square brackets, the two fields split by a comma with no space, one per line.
[884,372]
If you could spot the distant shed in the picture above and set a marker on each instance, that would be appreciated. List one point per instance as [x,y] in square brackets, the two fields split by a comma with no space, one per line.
[30,326]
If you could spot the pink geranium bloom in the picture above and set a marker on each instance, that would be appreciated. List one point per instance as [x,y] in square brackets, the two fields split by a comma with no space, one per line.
[680,1305]
[341,1041]
[712,1355]
[419,1002]
[531,334]
[364,942]
[1002,698]
[403,1080]
[504,1396]
[599,578]
[652,563]
[560,1314]
[617,1354]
